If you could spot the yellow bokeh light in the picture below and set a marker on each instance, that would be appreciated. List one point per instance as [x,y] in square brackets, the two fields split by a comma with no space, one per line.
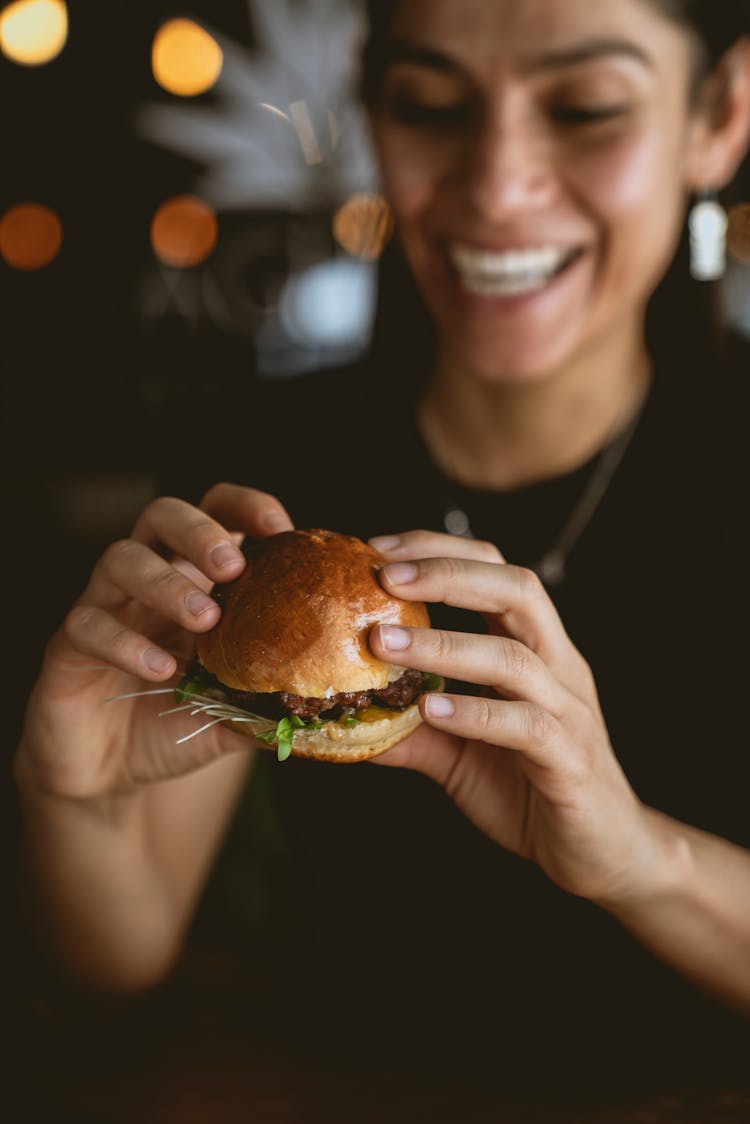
[30,236]
[183,231]
[33,32]
[363,225]
[185,59]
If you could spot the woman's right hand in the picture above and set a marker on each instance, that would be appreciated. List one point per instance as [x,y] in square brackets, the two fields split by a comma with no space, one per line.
[132,629]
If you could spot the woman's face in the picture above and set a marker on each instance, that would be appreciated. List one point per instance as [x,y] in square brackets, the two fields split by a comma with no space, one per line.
[536,157]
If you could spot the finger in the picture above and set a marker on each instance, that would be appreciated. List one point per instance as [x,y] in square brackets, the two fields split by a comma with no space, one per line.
[195,575]
[192,534]
[491,661]
[521,726]
[128,569]
[514,596]
[246,509]
[431,544]
[95,633]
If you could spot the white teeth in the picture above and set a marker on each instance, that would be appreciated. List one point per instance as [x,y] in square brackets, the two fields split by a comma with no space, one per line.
[511,272]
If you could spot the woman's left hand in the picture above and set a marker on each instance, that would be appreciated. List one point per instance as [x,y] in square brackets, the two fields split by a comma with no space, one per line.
[528,760]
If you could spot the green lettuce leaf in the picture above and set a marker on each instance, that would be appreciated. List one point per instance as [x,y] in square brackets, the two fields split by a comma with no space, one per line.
[283,736]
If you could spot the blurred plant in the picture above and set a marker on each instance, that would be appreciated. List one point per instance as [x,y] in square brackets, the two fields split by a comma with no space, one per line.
[284,129]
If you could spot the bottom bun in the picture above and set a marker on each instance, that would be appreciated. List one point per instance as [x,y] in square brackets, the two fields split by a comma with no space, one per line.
[335,742]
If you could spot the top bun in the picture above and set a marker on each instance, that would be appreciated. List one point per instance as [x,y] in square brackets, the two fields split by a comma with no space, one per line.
[298,618]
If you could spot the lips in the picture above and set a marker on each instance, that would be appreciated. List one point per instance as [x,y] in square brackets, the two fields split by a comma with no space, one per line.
[492,273]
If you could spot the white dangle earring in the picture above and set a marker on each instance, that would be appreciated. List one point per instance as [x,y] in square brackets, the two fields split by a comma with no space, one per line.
[707,224]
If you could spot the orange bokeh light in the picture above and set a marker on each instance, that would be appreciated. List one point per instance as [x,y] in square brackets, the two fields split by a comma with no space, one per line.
[30,236]
[185,59]
[183,231]
[363,226]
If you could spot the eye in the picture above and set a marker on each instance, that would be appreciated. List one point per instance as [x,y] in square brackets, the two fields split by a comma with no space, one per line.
[447,116]
[587,114]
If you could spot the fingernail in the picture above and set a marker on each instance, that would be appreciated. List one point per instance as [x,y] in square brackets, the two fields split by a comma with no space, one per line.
[393,638]
[156,660]
[385,543]
[274,521]
[225,555]
[439,706]
[198,604]
[401,573]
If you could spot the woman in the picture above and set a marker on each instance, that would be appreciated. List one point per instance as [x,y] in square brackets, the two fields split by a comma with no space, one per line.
[539,159]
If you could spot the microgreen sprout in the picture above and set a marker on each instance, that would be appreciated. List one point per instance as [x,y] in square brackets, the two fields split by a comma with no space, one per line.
[190,700]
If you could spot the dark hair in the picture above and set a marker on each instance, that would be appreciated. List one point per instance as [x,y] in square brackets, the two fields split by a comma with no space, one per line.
[677,302]
[717,24]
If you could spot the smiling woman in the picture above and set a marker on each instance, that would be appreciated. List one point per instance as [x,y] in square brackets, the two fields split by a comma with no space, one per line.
[543,171]
[556,876]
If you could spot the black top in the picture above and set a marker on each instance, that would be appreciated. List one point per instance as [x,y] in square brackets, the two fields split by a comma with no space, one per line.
[403,926]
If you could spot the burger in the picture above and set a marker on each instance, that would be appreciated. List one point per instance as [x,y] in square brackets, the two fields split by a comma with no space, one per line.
[289,661]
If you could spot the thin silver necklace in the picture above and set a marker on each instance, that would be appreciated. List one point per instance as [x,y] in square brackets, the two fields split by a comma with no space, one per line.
[551,567]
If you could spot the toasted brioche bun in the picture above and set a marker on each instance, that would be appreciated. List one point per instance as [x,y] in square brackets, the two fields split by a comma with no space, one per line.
[298,620]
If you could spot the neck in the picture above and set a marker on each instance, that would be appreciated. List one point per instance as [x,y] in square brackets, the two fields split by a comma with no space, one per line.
[507,436]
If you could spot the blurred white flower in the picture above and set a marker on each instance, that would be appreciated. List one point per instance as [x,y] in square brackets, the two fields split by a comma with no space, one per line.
[285,130]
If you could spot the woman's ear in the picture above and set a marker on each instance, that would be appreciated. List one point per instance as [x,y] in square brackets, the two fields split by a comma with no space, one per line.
[720,133]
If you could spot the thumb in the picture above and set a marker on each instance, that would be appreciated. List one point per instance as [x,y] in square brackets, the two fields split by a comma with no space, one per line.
[428,751]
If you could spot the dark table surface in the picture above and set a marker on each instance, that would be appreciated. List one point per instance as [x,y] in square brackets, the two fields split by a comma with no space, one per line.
[183,1056]
[238,1083]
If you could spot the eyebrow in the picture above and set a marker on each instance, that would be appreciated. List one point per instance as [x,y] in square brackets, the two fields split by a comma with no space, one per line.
[588,50]
[559,58]
[399,50]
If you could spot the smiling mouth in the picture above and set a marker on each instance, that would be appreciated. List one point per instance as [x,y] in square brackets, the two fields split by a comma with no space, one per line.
[509,273]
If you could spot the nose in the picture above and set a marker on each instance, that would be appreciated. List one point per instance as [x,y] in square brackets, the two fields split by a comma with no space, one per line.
[510,168]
